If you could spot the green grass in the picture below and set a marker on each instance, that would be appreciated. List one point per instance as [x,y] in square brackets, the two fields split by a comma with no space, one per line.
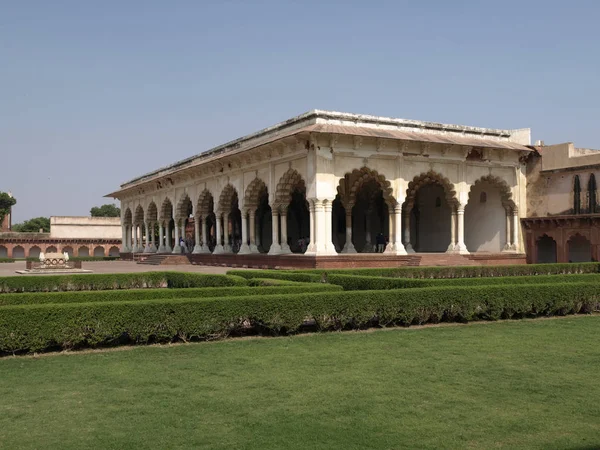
[524,384]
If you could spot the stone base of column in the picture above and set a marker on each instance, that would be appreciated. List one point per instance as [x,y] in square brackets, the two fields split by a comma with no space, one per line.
[324,252]
[396,250]
[275,249]
[389,248]
[409,248]
[205,249]
[244,250]
[168,249]
[227,248]
[176,249]
[197,249]
[348,248]
[254,248]
[461,249]
[285,249]
[509,248]
[451,249]
[136,249]
[125,250]
[150,249]
[161,249]
[368,248]
[219,250]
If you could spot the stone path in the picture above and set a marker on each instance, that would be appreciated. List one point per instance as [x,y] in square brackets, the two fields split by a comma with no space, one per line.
[9,269]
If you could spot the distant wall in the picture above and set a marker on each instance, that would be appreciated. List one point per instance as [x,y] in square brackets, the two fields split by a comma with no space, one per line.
[85,227]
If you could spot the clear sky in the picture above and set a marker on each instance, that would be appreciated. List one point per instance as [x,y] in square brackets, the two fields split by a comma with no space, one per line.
[93,94]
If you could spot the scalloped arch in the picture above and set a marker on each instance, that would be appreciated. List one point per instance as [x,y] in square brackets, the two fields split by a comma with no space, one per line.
[501,185]
[431,177]
[181,212]
[227,197]
[350,186]
[152,212]
[254,192]
[166,209]
[205,204]
[127,217]
[287,183]
[138,218]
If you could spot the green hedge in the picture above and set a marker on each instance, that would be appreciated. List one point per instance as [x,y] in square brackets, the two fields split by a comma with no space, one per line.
[303,277]
[27,328]
[357,282]
[274,282]
[463,271]
[93,282]
[38,298]
[7,260]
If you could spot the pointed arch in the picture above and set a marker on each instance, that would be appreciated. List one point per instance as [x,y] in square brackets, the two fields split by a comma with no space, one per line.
[592,208]
[205,204]
[152,212]
[502,186]
[352,183]
[289,182]
[138,218]
[183,207]
[253,193]
[166,209]
[127,217]
[576,195]
[435,178]
[227,198]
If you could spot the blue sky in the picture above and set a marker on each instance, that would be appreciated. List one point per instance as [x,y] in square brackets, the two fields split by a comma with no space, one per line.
[93,94]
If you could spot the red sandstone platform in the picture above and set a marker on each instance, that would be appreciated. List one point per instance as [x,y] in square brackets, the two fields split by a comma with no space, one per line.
[263,261]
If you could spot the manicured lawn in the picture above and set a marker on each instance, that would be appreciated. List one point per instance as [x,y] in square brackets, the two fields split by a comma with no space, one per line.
[526,384]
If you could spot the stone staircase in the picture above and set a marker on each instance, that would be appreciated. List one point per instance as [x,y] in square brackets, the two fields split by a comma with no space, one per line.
[165,260]
[444,259]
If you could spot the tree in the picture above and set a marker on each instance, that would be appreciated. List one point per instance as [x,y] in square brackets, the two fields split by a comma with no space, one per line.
[6,202]
[106,211]
[33,225]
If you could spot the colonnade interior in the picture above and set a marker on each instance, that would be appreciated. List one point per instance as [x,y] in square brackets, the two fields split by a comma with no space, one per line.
[364,217]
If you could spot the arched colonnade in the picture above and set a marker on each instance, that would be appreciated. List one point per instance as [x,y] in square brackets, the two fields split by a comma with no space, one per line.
[364,217]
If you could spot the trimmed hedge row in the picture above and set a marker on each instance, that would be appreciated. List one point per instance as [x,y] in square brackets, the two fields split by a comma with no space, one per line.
[464,271]
[27,328]
[38,298]
[96,282]
[274,282]
[358,283]
[7,260]
[290,275]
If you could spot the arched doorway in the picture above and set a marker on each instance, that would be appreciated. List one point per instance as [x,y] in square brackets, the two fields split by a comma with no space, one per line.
[83,251]
[152,221]
[229,222]
[127,223]
[165,229]
[18,252]
[290,217]
[69,250]
[430,214]
[488,216]
[206,217]
[99,252]
[183,242]
[34,252]
[258,218]
[112,252]
[138,230]
[364,210]
[546,250]
[580,249]
[3,252]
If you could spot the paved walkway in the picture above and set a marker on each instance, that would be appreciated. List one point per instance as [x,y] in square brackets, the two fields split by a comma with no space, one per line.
[9,269]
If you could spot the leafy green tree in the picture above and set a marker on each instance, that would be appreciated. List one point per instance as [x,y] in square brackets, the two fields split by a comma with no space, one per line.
[33,225]
[106,211]
[6,202]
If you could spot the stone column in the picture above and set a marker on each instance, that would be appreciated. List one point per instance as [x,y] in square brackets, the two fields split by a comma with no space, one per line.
[349,246]
[161,237]
[311,249]
[124,248]
[135,239]
[245,248]
[508,245]
[226,243]
[406,219]
[168,247]
[148,249]
[515,230]
[219,247]
[275,246]
[197,225]
[253,246]
[398,247]
[391,245]
[328,213]
[205,248]
[453,218]
[177,247]
[152,238]
[368,248]
[460,225]
[285,248]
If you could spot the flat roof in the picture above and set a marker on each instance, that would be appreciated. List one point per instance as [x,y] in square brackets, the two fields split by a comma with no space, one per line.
[347,123]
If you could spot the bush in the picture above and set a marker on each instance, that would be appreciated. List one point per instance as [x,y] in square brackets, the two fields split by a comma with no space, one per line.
[274,282]
[38,298]
[27,328]
[7,260]
[303,277]
[357,282]
[464,271]
[93,282]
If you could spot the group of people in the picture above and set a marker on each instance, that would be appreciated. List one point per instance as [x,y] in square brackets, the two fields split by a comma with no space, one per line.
[381,242]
